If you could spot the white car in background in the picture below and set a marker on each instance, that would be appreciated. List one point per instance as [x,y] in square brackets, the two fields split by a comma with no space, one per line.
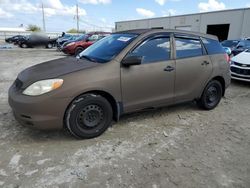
[240,66]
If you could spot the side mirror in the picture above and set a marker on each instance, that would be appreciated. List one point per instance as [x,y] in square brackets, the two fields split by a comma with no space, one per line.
[132,60]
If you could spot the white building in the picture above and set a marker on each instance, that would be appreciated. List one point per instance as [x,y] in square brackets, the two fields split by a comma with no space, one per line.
[226,24]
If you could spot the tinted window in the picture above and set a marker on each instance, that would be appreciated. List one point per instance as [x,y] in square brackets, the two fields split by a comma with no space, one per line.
[188,47]
[229,43]
[107,48]
[213,46]
[244,43]
[153,50]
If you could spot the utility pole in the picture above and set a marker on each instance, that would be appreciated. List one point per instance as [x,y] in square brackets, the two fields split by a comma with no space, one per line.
[44,28]
[77,18]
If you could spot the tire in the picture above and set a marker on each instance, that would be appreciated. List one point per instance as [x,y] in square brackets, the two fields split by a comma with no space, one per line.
[23,45]
[88,116]
[50,45]
[211,95]
[78,51]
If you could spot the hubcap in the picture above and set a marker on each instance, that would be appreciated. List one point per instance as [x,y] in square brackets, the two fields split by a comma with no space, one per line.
[90,116]
[212,95]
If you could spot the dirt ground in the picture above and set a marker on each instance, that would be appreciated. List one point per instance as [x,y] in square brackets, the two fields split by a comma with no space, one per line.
[180,146]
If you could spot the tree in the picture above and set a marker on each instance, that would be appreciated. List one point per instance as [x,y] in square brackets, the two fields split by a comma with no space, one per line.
[33,28]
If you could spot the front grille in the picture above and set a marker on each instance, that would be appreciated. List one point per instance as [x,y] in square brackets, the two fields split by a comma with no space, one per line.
[240,71]
[241,65]
[18,84]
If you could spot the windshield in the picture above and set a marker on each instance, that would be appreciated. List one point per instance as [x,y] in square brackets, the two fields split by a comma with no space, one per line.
[107,48]
[81,37]
[229,43]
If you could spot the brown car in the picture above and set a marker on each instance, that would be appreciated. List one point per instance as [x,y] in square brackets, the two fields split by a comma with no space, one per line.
[122,73]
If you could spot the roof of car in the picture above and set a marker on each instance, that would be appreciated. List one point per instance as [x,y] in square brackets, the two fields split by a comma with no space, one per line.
[143,31]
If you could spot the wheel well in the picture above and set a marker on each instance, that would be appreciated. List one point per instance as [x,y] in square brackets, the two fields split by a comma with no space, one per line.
[110,99]
[77,48]
[107,96]
[222,81]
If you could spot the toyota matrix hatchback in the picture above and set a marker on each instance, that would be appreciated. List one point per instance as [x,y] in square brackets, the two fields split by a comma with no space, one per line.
[125,72]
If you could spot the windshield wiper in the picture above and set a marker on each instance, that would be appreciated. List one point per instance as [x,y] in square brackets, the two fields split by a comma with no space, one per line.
[88,58]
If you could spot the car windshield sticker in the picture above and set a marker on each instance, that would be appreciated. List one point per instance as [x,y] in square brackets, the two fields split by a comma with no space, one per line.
[124,39]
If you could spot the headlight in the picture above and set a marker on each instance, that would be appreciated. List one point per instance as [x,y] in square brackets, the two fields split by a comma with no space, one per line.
[72,43]
[43,86]
[232,62]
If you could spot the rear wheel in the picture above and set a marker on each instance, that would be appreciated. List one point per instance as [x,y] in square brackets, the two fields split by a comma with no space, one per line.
[88,116]
[211,95]
[78,51]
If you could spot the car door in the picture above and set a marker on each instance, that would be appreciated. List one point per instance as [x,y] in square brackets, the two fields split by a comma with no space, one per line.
[151,83]
[193,67]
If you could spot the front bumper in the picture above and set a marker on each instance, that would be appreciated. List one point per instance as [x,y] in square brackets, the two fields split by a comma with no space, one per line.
[43,112]
[240,73]
[67,51]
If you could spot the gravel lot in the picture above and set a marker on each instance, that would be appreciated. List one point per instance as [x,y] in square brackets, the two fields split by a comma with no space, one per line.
[180,146]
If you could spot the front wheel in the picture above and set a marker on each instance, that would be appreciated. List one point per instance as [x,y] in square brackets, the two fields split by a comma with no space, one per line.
[88,116]
[23,45]
[211,95]
[49,46]
[78,51]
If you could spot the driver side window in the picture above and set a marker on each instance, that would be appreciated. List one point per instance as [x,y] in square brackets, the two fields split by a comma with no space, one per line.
[153,50]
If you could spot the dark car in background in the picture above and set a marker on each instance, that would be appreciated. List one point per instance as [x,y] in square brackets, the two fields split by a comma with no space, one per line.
[243,45]
[14,39]
[230,43]
[67,37]
[76,47]
[35,40]
[73,39]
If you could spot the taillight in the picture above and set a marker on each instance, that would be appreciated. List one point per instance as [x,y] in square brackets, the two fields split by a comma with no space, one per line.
[227,58]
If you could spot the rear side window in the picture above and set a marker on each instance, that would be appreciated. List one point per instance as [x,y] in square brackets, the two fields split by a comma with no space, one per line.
[186,47]
[213,46]
[154,50]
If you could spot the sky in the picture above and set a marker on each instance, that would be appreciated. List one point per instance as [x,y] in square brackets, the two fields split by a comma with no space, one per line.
[101,14]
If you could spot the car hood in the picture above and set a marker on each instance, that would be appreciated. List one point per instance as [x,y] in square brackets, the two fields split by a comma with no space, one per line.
[53,69]
[243,58]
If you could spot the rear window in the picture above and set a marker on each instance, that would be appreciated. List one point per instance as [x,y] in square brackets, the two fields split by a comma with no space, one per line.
[213,46]
[188,47]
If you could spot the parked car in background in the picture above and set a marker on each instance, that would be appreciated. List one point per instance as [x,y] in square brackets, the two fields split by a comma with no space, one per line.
[243,45]
[67,37]
[73,39]
[121,73]
[230,43]
[37,40]
[76,47]
[240,66]
[14,39]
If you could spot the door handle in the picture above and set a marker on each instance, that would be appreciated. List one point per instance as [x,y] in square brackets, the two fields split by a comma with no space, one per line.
[169,69]
[205,63]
